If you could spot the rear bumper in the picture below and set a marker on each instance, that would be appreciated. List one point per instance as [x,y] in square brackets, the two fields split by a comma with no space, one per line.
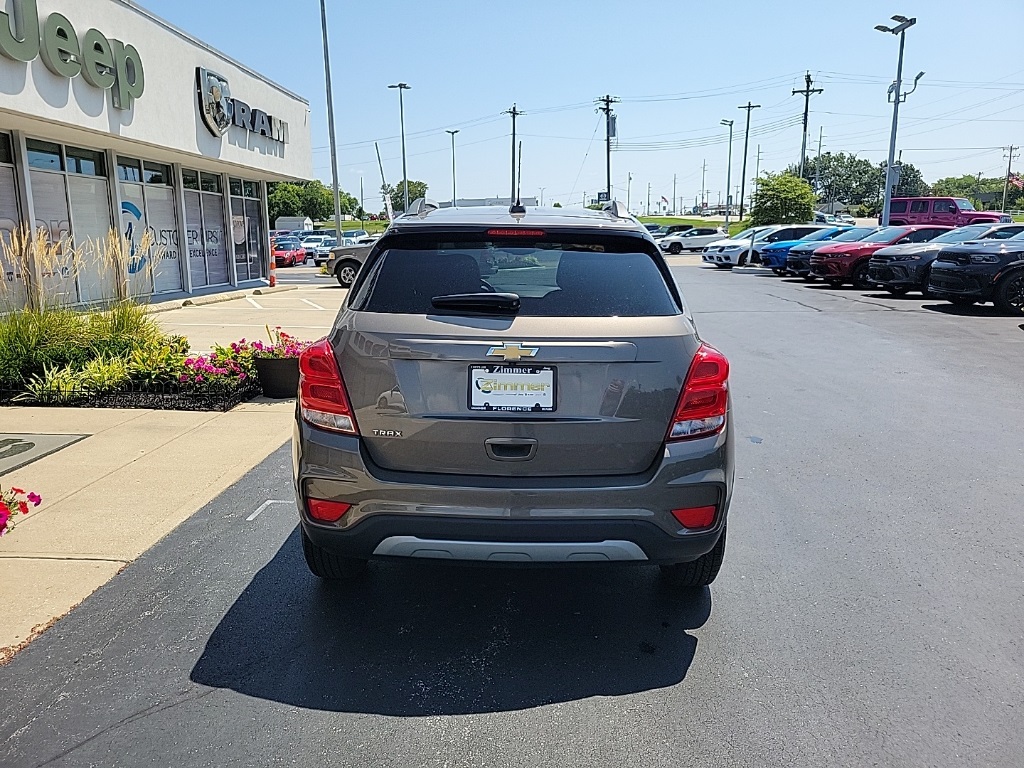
[569,519]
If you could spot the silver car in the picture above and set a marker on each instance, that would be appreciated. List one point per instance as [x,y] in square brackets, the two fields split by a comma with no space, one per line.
[514,389]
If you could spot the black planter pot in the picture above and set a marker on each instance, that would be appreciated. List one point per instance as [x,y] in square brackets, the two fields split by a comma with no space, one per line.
[279,377]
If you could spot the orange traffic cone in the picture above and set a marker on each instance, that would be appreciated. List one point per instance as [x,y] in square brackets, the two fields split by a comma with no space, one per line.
[273,271]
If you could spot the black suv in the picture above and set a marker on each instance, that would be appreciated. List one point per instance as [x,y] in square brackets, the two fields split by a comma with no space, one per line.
[902,268]
[981,271]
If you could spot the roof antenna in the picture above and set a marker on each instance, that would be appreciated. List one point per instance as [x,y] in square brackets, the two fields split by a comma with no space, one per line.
[518,209]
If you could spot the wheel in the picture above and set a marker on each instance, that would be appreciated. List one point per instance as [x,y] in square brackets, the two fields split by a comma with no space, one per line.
[961,301]
[898,290]
[326,565]
[1010,294]
[699,573]
[675,249]
[861,278]
[835,283]
[346,273]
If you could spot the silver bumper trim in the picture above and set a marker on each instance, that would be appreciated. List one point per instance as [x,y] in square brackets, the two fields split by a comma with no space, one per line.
[511,552]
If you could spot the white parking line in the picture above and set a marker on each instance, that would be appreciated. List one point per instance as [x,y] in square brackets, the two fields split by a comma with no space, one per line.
[253,301]
[313,304]
[263,506]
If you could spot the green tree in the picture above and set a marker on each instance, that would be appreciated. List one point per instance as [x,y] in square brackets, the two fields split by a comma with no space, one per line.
[843,178]
[556,205]
[417,189]
[782,198]
[283,200]
[317,201]
[911,183]
[982,192]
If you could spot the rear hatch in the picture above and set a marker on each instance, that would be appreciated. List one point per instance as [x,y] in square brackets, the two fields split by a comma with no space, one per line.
[580,378]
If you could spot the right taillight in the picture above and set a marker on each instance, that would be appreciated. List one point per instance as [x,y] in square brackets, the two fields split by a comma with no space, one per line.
[323,401]
[705,397]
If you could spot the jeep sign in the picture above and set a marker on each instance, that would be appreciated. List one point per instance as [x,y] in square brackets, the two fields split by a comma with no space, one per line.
[104,63]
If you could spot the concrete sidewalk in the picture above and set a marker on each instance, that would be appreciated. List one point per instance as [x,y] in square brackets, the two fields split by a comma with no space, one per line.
[111,496]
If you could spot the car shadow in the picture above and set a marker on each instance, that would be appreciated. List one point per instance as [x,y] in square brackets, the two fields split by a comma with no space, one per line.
[972,310]
[426,638]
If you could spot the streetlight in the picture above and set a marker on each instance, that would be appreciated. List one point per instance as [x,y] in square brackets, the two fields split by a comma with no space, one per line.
[330,120]
[728,177]
[895,92]
[542,197]
[401,112]
[452,134]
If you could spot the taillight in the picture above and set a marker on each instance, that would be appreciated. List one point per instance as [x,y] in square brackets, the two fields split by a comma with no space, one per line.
[327,511]
[695,517]
[323,401]
[705,397]
[515,232]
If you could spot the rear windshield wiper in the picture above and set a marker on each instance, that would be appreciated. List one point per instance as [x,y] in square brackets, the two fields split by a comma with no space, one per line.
[490,303]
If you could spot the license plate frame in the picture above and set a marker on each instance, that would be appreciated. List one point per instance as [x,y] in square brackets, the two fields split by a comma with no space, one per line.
[511,401]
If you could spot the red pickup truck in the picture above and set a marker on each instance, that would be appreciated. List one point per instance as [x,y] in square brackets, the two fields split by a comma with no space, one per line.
[947,211]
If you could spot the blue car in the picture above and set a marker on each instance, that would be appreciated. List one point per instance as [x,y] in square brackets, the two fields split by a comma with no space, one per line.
[774,256]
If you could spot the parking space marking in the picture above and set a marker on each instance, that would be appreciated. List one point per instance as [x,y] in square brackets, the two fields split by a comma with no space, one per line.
[313,304]
[253,301]
[263,506]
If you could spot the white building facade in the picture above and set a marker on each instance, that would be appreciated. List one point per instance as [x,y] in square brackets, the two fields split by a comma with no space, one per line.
[111,118]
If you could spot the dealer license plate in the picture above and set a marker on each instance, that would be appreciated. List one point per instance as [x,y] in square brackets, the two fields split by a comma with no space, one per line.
[523,388]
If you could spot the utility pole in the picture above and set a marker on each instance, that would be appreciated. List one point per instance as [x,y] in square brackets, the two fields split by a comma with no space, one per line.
[542,196]
[703,174]
[674,198]
[1009,172]
[896,91]
[807,92]
[362,210]
[609,122]
[648,198]
[330,120]
[629,189]
[452,134]
[728,176]
[746,142]
[757,173]
[515,113]
[817,162]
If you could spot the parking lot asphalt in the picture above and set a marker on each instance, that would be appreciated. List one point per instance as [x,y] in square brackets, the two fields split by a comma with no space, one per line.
[868,612]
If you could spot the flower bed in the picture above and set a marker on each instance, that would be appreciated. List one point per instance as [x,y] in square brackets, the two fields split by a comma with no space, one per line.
[14,502]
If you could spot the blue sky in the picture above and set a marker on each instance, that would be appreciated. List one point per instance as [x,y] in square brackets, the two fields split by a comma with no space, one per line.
[679,68]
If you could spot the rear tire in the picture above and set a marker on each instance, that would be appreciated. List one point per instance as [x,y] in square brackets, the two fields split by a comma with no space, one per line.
[699,573]
[861,278]
[328,566]
[1010,294]
[675,249]
[346,273]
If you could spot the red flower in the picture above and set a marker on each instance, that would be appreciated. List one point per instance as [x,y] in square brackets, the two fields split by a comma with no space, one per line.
[18,491]
[4,508]
[23,507]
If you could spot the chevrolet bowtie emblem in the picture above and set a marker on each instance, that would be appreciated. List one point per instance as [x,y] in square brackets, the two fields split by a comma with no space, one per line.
[512,352]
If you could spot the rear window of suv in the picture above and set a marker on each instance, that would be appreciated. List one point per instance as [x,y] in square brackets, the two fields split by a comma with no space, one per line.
[578,277]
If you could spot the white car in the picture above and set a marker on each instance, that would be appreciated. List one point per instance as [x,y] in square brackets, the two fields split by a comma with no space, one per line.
[690,240]
[735,251]
[845,218]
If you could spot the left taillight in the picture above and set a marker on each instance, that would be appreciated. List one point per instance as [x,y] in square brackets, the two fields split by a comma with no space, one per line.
[323,401]
[704,401]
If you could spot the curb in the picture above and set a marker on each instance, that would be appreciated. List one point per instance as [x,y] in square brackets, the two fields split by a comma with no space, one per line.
[275,289]
[216,298]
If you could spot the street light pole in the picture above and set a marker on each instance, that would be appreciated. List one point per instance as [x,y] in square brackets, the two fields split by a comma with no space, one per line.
[401,112]
[542,196]
[728,176]
[746,143]
[330,121]
[896,89]
[452,134]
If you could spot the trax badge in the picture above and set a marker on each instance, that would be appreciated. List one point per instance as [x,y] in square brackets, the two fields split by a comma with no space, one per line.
[512,352]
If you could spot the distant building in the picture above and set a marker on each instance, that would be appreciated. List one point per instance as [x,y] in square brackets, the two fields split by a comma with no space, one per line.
[476,202]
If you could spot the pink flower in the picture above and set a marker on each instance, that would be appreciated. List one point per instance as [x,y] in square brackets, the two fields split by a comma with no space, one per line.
[199,377]
[36,499]
[5,515]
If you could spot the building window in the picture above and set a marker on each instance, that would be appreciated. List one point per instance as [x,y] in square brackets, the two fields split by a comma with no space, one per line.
[129,170]
[236,187]
[157,173]
[87,162]
[6,153]
[44,155]
[209,182]
[251,189]
[190,179]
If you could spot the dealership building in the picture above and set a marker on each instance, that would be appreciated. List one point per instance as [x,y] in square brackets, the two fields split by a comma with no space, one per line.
[111,117]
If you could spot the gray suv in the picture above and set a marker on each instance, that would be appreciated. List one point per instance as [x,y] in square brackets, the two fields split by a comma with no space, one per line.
[514,388]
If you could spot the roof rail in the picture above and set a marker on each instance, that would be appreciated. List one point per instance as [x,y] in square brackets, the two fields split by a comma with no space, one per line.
[422,207]
[617,209]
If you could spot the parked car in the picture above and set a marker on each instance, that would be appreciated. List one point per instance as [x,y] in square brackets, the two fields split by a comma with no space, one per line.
[735,251]
[356,237]
[840,263]
[693,239]
[322,252]
[980,271]
[947,211]
[523,436]
[774,256]
[820,217]
[903,268]
[310,242]
[345,262]
[845,218]
[798,261]
[288,252]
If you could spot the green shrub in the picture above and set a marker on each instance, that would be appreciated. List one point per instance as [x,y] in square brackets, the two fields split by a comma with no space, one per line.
[158,362]
[123,328]
[52,386]
[31,341]
[102,374]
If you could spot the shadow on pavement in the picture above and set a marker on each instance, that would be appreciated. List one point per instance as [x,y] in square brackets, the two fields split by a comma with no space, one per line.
[971,310]
[433,639]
